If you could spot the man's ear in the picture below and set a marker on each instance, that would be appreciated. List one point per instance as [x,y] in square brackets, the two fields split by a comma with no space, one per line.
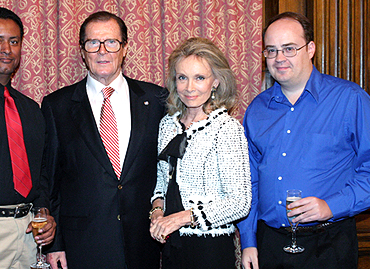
[311,49]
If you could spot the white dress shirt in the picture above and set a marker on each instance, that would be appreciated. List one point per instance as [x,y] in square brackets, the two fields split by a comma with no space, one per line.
[120,100]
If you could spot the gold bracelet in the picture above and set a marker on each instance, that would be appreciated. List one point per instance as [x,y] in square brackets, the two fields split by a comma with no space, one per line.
[153,210]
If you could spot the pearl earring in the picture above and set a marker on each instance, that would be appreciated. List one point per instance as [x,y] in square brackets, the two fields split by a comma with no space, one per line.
[213,93]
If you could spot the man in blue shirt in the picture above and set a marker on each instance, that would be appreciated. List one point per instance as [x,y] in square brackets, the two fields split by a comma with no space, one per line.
[311,132]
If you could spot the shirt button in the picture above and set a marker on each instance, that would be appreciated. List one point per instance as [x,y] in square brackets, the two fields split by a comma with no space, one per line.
[280,202]
[288,131]
[292,109]
[120,187]
[280,178]
[119,217]
[284,154]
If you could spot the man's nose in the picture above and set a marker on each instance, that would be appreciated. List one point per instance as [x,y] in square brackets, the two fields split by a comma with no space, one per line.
[280,57]
[5,47]
[102,49]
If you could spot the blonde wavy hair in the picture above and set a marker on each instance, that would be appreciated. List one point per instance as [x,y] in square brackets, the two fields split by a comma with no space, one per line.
[226,92]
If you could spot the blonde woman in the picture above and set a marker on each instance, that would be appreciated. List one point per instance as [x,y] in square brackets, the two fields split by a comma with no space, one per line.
[203,182]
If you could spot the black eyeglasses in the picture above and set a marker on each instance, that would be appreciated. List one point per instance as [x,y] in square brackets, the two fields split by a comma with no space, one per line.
[289,51]
[110,45]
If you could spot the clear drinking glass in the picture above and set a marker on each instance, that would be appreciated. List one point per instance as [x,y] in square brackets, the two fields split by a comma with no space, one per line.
[39,220]
[292,196]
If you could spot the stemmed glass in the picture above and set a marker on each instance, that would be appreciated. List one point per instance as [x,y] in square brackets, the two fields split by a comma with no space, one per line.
[292,196]
[39,220]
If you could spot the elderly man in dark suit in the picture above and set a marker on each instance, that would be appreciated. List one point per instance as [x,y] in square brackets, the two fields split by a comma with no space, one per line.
[102,139]
[22,139]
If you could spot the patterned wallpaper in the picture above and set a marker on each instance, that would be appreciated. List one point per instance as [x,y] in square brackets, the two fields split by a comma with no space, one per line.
[51,56]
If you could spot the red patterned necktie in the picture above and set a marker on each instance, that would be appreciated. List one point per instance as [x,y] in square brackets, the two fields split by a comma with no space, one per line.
[21,169]
[109,131]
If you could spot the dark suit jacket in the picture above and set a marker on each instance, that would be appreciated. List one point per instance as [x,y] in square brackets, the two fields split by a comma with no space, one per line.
[102,221]
[34,138]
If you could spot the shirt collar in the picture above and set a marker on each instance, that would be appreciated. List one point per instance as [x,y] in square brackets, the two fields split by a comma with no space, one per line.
[2,88]
[312,86]
[276,94]
[96,87]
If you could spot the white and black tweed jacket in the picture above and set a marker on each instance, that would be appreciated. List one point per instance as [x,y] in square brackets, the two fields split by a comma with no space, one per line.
[213,175]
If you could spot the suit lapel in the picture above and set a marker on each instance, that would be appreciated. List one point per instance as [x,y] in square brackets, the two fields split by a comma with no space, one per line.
[83,118]
[140,108]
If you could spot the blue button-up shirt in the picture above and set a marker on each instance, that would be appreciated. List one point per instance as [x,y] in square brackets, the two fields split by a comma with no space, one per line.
[320,145]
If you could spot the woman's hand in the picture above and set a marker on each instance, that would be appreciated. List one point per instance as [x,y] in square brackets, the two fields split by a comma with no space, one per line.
[162,227]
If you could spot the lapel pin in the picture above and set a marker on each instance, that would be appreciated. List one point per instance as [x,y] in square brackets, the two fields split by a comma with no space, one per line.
[146,103]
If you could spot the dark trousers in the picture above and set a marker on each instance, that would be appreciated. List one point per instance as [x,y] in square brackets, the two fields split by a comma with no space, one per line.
[200,253]
[334,246]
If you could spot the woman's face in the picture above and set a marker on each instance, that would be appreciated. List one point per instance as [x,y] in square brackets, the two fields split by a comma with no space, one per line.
[194,81]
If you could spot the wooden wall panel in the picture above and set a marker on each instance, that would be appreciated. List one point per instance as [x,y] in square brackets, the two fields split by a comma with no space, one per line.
[357,50]
[292,5]
[340,29]
[366,51]
[344,39]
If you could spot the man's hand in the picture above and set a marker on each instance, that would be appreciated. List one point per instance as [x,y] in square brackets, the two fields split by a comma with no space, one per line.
[311,209]
[54,257]
[250,256]
[47,233]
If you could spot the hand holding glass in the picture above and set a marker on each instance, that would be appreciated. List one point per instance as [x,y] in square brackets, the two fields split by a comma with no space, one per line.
[292,196]
[39,220]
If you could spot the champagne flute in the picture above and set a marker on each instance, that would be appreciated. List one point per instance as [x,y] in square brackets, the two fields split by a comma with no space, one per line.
[39,220]
[292,196]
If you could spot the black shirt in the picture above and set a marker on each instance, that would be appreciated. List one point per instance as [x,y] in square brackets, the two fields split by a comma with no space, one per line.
[34,137]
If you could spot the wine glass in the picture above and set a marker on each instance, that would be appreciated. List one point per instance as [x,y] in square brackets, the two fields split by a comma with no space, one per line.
[292,196]
[39,220]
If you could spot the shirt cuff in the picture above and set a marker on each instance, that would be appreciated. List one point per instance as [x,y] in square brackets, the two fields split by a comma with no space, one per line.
[248,240]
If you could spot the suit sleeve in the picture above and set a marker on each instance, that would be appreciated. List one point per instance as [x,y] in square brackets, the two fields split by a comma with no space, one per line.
[51,163]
